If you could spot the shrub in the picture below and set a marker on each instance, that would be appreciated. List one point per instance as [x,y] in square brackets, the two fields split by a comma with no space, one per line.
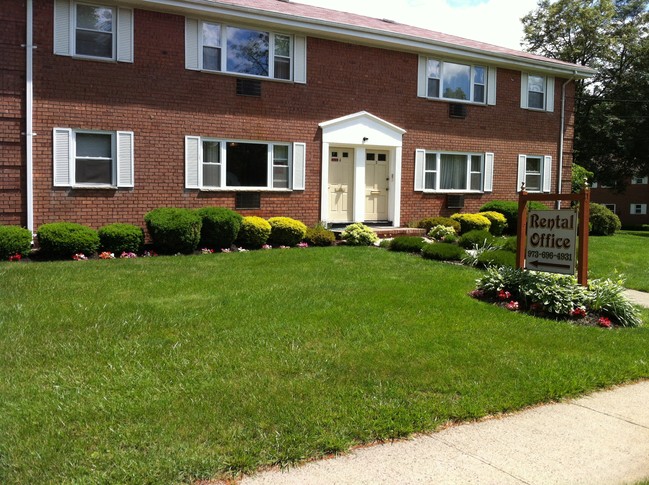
[174,230]
[498,222]
[254,232]
[359,234]
[471,222]
[319,236]
[475,238]
[431,222]
[496,258]
[407,244]
[510,210]
[443,252]
[607,296]
[603,221]
[442,233]
[121,238]
[285,231]
[507,244]
[220,227]
[14,240]
[63,239]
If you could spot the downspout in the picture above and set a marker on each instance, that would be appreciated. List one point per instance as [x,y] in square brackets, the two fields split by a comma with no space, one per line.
[563,127]
[29,100]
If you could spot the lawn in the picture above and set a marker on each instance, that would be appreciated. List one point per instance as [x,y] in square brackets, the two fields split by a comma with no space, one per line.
[170,369]
[627,253]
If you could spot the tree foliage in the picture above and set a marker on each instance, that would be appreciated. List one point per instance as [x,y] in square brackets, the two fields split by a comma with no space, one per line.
[612,108]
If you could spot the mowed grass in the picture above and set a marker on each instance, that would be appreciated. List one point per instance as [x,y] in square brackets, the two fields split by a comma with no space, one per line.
[626,252]
[172,369]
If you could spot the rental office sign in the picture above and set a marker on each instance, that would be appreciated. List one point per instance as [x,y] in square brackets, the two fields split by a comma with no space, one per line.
[551,241]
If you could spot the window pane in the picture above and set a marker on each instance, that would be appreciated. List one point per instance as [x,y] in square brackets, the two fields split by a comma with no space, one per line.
[95,18]
[430,180]
[431,161]
[96,44]
[433,88]
[456,81]
[535,100]
[280,155]
[280,177]
[533,182]
[211,152]
[478,93]
[453,172]
[212,58]
[93,145]
[533,164]
[247,165]
[283,45]
[536,84]
[478,75]
[383,157]
[282,68]
[476,163]
[433,69]
[93,171]
[212,35]
[370,156]
[476,181]
[212,175]
[248,51]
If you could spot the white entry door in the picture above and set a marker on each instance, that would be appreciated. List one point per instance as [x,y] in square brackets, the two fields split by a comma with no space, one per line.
[377,180]
[341,184]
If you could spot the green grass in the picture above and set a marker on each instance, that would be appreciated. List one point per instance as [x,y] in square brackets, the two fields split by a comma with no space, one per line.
[627,253]
[171,369]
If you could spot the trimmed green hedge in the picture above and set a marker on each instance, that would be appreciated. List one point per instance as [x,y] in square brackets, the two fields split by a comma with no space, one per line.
[443,252]
[319,236]
[174,230]
[472,238]
[499,258]
[407,244]
[285,231]
[65,239]
[603,221]
[220,227]
[121,238]
[14,240]
[472,222]
[254,232]
[498,222]
[430,222]
[509,209]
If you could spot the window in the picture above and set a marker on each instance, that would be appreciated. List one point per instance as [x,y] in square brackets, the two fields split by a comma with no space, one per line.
[535,171]
[93,159]
[610,207]
[453,172]
[537,92]
[449,80]
[93,31]
[640,180]
[225,164]
[638,209]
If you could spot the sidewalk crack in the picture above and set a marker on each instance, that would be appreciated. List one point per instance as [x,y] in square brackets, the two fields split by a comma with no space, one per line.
[619,418]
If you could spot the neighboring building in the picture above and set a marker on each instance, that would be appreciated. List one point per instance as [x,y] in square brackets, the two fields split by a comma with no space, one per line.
[269,107]
[630,205]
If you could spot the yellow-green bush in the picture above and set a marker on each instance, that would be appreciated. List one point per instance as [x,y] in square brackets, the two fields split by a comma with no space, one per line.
[254,232]
[285,231]
[472,222]
[498,222]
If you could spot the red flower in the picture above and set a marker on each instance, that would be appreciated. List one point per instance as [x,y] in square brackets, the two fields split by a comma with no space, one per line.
[578,312]
[15,257]
[504,295]
[604,322]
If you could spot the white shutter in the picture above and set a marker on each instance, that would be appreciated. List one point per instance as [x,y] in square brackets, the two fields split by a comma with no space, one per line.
[192,161]
[420,162]
[547,173]
[491,85]
[299,59]
[522,162]
[422,77]
[549,89]
[488,172]
[299,166]
[125,173]
[192,44]
[524,93]
[62,156]
[125,35]
[62,27]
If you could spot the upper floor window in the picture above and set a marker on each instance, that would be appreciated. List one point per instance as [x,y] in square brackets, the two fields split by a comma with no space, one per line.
[638,209]
[224,164]
[93,31]
[455,81]
[453,172]
[640,180]
[245,51]
[535,171]
[537,92]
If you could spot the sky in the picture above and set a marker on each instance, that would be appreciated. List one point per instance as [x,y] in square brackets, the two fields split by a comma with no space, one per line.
[493,21]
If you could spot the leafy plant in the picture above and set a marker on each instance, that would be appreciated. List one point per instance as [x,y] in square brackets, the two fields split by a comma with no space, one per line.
[118,238]
[478,249]
[607,296]
[498,222]
[220,227]
[407,244]
[472,222]
[285,231]
[603,222]
[254,232]
[509,209]
[358,234]
[430,222]
[14,240]
[63,239]
[476,238]
[174,230]
[319,236]
[443,252]
[442,233]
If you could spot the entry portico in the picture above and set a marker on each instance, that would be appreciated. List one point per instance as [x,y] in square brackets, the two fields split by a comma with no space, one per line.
[361,170]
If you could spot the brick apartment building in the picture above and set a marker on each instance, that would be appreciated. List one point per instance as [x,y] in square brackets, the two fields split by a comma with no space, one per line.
[109,109]
[630,204]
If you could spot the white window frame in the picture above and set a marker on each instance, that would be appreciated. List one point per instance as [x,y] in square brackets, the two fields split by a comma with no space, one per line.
[640,180]
[548,92]
[472,83]
[611,207]
[75,27]
[437,171]
[546,173]
[638,209]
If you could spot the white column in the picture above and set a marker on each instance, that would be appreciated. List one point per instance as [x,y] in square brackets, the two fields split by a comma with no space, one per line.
[324,192]
[359,184]
[395,187]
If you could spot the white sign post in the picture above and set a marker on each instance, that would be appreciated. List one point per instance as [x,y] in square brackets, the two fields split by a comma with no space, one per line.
[551,243]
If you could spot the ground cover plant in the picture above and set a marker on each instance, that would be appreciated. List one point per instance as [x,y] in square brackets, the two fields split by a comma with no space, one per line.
[171,369]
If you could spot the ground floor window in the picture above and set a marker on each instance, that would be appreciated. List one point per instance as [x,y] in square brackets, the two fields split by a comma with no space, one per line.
[535,171]
[453,171]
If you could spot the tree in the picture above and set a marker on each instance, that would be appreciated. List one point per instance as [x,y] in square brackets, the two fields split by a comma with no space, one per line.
[612,36]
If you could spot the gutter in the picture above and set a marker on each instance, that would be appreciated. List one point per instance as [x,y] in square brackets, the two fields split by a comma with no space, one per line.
[29,107]
[563,127]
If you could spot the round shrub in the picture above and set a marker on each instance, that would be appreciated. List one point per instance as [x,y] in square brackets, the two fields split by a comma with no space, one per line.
[407,244]
[442,233]
[497,258]
[359,234]
[472,222]
[64,239]
[254,232]
[285,231]
[121,238]
[443,252]
[319,236]
[14,240]
[431,222]
[472,238]
[498,222]
[603,222]
[220,227]
[174,230]
[509,209]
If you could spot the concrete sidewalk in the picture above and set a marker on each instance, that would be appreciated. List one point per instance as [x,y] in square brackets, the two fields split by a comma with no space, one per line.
[598,439]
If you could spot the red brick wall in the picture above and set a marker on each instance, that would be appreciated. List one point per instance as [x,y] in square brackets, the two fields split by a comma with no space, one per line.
[162,102]
[12,90]
[633,194]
